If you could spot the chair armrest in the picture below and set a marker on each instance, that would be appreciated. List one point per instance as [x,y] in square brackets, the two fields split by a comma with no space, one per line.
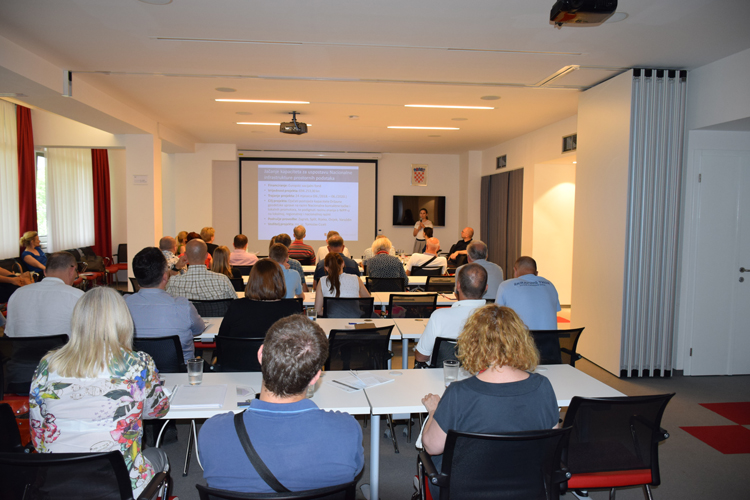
[153,486]
[662,434]
[430,470]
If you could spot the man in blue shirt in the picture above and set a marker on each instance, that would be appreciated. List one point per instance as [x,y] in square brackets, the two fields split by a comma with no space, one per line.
[303,446]
[156,313]
[280,254]
[532,297]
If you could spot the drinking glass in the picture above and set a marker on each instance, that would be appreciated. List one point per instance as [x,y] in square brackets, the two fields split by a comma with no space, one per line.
[450,371]
[312,314]
[195,371]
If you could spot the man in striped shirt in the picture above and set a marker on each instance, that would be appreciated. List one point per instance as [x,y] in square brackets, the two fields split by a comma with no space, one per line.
[298,250]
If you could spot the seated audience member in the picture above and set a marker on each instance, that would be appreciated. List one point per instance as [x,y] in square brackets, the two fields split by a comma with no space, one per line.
[323,251]
[532,297]
[181,241]
[298,249]
[294,265]
[503,396]
[9,283]
[336,245]
[155,313]
[429,259]
[262,305]
[32,255]
[44,308]
[207,235]
[280,254]
[449,321]
[383,264]
[220,264]
[305,447]
[337,284]
[77,403]
[195,236]
[458,251]
[367,254]
[476,252]
[240,256]
[428,233]
[198,283]
[175,264]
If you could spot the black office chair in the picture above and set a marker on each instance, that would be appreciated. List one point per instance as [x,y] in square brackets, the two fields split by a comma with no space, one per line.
[83,476]
[355,307]
[212,308]
[134,283]
[384,284]
[445,284]
[165,351]
[346,491]
[234,354]
[10,435]
[443,349]
[25,355]
[306,261]
[426,271]
[411,305]
[241,271]
[498,466]
[238,284]
[557,346]
[615,442]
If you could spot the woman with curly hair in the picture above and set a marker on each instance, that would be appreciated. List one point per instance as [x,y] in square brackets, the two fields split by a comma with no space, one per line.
[503,396]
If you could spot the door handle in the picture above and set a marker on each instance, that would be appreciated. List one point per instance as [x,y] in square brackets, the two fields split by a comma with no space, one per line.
[743,270]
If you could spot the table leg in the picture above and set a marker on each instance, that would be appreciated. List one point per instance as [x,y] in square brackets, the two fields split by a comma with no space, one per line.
[404,353]
[374,457]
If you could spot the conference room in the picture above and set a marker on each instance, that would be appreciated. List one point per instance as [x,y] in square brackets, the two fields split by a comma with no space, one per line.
[149,83]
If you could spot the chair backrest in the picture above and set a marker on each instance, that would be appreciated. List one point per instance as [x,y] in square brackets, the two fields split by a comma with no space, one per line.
[236,354]
[212,308]
[242,270]
[10,436]
[165,351]
[505,466]
[443,349]
[345,491]
[305,261]
[122,253]
[558,346]
[135,284]
[411,305]
[611,434]
[440,284]
[384,284]
[354,307]
[58,476]
[426,271]
[363,349]
[238,283]
[26,353]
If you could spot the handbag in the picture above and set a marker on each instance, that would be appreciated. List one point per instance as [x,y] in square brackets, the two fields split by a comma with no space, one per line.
[260,467]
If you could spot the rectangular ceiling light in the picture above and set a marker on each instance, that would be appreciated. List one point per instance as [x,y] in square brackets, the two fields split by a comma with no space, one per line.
[426,128]
[448,107]
[262,102]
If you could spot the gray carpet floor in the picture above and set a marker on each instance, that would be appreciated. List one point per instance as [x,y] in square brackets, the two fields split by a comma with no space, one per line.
[689,467]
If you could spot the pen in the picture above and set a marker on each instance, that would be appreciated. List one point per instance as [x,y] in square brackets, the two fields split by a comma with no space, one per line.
[174,391]
[346,385]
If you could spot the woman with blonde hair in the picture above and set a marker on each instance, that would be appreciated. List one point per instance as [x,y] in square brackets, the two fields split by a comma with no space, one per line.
[503,396]
[32,255]
[92,394]
[220,263]
[181,241]
[338,284]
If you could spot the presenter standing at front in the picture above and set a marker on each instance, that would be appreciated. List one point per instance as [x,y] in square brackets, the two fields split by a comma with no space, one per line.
[423,222]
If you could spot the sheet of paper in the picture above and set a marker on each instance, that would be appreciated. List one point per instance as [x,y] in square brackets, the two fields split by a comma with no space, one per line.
[357,381]
[198,396]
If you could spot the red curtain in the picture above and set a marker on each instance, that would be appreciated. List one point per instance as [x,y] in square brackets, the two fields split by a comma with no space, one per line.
[102,211]
[26,171]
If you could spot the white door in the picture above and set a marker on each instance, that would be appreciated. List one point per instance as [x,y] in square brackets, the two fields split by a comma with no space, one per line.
[721,307]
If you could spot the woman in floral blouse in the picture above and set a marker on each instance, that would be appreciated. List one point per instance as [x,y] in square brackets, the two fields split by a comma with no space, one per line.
[92,394]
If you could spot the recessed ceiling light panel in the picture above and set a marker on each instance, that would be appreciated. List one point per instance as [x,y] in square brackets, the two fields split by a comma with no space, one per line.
[157,2]
[490,97]
[257,101]
[459,119]
[225,89]
[443,106]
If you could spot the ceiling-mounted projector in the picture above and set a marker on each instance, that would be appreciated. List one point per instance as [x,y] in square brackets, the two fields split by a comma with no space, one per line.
[582,12]
[293,127]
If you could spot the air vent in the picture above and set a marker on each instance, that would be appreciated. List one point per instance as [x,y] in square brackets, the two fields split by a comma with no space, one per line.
[569,143]
[502,161]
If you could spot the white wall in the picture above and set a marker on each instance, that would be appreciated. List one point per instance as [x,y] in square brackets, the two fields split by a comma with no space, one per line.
[55,131]
[117,198]
[600,216]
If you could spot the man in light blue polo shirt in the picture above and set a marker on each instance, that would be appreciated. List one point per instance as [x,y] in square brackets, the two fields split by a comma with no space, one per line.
[532,297]
[280,254]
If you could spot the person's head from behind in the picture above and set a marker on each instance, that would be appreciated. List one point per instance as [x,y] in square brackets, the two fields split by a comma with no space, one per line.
[168,244]
[192,236]
[207,234]
[150,268]
[292,355]
[472,282]
[278,253]
[266,281]
[494,337]
[62,265]
[284,239]
[428,233]
[30,239]
[432,246]
[220,263]
[330,233]
[196,251]
[101,329]
[300,233]
[336,243]
[334,266]
[477,250]
[523,266]
[240,242]
[182,237]
[381,244]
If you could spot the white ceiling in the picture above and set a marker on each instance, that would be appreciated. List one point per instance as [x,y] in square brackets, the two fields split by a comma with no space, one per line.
[350,57]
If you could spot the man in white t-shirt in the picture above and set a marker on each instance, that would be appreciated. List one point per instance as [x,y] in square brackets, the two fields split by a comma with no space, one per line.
[448,322]
[323,251]
[429,259]
[532,297]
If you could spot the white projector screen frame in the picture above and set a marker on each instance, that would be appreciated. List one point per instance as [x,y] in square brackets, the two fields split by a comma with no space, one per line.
[319,193]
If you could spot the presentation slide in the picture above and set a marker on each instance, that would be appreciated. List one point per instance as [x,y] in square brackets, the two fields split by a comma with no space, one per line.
[318,197]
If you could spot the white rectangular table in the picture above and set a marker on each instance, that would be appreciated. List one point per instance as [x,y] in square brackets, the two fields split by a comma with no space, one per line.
[410,329]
